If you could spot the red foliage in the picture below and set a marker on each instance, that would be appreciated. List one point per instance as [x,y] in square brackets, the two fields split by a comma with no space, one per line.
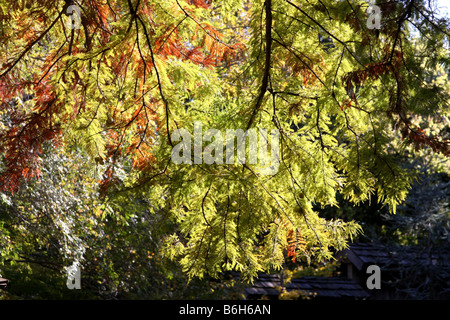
[420,140]
[22,142]
[295,242]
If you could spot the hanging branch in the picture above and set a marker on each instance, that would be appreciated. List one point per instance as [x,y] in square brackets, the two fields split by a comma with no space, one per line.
[166,103]
[265,79]
[32,44]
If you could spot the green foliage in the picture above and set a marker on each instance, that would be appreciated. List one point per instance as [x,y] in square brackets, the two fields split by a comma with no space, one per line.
[349,103]
[61,220]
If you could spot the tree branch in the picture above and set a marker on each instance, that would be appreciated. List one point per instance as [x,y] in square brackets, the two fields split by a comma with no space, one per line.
[265,79]
[32,44]
[166,104]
